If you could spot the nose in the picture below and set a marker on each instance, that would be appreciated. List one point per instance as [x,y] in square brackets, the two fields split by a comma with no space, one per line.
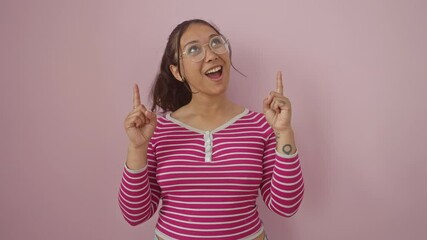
[209,54]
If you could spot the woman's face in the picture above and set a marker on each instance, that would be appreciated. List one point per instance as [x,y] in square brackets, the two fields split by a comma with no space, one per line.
[212,73]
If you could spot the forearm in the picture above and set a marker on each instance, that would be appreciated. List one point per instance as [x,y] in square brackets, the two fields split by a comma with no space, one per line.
[136,157]
[283,184]
[287,186]
[135,197]
[139,191]
[285,142]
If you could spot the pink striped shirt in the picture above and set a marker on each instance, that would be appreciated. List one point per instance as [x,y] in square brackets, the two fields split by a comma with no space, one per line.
[209,180]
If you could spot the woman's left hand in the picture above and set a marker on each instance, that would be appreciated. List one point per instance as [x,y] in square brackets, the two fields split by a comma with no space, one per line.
[277,108]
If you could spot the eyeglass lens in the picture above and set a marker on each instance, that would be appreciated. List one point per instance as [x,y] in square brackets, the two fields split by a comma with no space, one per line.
[196,51]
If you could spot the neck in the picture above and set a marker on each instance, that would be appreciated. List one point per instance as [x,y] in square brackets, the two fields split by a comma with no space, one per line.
[209,106]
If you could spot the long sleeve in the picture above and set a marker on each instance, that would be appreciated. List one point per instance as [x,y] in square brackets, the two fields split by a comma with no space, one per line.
[212,197]
[139,193]
[282,187]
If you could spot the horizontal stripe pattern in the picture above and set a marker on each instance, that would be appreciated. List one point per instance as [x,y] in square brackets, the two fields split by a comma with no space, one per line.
[213,199]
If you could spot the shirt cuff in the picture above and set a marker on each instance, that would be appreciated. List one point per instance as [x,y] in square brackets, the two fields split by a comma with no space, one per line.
[137,171]
[287,156]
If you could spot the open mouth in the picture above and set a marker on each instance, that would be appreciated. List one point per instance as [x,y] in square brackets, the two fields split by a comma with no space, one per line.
[214,73]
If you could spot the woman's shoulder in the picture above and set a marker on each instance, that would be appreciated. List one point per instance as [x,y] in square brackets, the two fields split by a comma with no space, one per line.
[164,127]
[253,118]
[163,119]
[255,123]
[251,114]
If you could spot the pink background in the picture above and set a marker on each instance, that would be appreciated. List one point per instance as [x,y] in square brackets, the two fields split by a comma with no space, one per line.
[354,70]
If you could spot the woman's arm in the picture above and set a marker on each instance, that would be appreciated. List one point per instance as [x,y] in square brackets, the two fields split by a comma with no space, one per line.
[139,194]
[282,187]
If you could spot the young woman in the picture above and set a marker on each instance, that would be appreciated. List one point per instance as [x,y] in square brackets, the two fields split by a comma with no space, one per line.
[207,157]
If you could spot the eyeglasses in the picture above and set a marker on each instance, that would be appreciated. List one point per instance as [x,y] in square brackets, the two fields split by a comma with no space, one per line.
[196,52]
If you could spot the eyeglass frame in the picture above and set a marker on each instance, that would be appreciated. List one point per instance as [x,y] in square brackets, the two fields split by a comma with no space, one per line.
[226,44]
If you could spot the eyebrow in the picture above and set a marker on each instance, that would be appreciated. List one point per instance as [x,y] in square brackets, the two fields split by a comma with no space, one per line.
[195,41]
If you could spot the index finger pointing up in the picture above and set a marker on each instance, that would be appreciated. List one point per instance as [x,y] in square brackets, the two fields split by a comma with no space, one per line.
[279,83]
[136,97]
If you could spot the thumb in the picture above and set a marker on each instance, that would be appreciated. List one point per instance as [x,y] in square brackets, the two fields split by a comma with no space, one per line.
[152,118]
[266,103]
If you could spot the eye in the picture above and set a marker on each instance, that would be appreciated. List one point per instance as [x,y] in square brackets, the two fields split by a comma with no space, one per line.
[193,49]
[217,42]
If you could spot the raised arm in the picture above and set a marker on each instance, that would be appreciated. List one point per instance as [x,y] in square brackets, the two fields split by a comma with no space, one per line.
[139,192]
[282,187]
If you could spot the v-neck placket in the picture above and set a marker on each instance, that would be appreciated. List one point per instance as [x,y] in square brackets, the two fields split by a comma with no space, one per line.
[208,135]
[208,146]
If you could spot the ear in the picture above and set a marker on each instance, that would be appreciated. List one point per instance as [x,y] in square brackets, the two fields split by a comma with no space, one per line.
[175,72]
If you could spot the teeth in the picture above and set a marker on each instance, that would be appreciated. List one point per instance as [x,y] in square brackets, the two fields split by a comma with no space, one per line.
[213,70]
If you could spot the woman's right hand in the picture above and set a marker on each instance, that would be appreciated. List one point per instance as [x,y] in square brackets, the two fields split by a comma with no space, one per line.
[139,123]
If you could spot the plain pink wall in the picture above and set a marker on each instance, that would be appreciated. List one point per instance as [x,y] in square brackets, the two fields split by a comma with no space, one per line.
[354,70]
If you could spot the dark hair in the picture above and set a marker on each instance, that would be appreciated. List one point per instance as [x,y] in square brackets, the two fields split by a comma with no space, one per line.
[168,93]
